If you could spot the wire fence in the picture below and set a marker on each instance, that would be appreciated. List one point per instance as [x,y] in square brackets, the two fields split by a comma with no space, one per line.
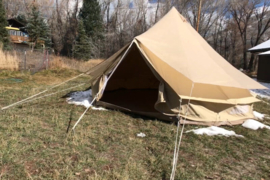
[34,61]
[37,60]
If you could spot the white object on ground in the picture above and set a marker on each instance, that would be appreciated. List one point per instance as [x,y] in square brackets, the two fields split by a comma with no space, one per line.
[263,93]
[213,131]
[141,134]
[254,125]
[258,115]
[87,104]
[84,103]
[98,108]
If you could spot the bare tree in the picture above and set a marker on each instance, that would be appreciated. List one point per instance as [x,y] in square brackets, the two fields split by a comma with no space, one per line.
[71,27]
[157,9]
[57,28]
[242,12]
[23,7]
[262,24]
[211,12]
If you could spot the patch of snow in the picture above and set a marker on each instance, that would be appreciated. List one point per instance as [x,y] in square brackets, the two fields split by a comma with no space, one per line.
[213,131]
[254,125]
[84,103]
[258,115]
[82,98]
[98,108]
[141,134]
[263,93]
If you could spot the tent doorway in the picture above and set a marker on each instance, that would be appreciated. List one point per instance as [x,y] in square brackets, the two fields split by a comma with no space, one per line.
[133,86]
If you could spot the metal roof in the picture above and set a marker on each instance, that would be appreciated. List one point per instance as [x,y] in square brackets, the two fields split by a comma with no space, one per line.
[261,47]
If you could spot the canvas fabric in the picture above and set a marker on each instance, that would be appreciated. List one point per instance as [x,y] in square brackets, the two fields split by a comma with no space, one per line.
[182,66]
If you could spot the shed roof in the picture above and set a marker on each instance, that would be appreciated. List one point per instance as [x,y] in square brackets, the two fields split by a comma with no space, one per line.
[265,53]
[265,46]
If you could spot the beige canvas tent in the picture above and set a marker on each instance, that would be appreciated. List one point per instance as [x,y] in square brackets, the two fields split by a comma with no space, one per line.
[172,62]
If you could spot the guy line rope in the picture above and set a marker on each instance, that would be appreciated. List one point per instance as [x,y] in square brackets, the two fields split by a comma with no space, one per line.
[28,99]
[54,93]
[176,150]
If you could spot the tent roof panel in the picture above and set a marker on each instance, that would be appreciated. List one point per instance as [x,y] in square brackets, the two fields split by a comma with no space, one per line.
[176,43]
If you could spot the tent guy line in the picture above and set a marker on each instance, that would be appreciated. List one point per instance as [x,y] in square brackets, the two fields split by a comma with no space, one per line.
[35,95]
[54,93]
[181,134]
[176,140]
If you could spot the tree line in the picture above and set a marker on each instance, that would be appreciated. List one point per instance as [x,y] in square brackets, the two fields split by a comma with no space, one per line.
[86,29]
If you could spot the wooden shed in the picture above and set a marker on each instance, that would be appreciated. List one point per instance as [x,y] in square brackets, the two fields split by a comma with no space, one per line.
[264,67]
[263,51]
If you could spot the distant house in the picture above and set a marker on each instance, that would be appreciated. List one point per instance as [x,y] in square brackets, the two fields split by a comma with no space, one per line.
[18,35]
[263,51]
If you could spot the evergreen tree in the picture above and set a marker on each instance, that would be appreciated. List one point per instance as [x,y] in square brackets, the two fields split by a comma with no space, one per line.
[4,36]
[22,18]
[37,29]
[82,48]
[90,13]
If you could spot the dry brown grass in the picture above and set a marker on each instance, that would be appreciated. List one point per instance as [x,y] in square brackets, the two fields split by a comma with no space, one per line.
[34,60]
[8,61]
[59,62]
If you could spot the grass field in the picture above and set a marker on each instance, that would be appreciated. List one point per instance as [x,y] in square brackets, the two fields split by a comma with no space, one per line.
[35,145]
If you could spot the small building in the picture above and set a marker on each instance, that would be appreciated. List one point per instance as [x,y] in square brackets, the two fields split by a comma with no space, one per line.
[263,51]
[264,67]
[18,35]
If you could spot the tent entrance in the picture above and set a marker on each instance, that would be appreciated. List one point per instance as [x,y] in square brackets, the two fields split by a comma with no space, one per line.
[133,86]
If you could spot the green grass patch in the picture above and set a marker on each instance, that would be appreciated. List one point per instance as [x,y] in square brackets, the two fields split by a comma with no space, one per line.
[34,143]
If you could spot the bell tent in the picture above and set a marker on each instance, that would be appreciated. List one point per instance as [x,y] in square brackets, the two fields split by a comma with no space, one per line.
[171,64]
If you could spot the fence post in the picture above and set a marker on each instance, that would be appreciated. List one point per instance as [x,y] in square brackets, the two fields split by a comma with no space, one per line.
[47,60]
[25,60]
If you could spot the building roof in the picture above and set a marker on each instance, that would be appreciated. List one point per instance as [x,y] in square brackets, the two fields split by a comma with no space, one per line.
[265,53]
[15,23]
[265,46]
